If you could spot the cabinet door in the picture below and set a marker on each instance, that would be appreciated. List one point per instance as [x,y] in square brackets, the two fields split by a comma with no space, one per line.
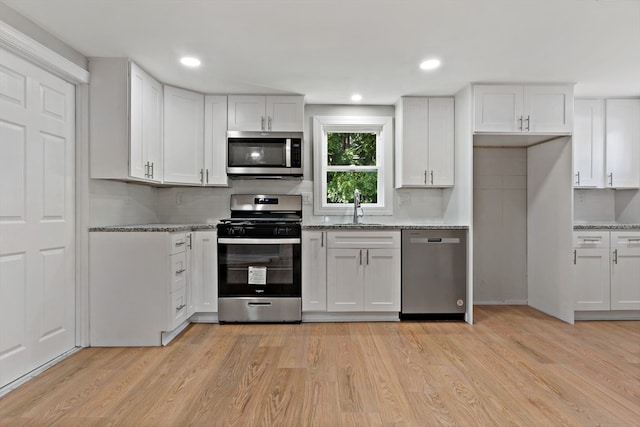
[314,271]
[623,143]
[345,278]
[588,143]
[137,155]
[284,113]
[191,300]
[246,112]
[591,279]
[414,141]
[205,265]
[183,136]
[215,140]
[498,108]
[441,142]
[548,109]
[382,280]
[625,271]
[152,128]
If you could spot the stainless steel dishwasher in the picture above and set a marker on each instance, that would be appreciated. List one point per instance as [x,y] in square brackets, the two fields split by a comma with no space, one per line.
[434,274]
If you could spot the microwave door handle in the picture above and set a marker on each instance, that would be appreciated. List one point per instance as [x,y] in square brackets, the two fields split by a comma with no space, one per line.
[287,153]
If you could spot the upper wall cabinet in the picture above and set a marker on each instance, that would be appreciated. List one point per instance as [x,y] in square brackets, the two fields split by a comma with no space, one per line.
[622,143]
[588,143]
[125,112]
[266,113]
[528,109]
[606,143]
[195,128]
[424,142]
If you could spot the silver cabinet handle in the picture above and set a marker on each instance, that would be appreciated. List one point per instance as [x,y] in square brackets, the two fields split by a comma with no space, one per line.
[425,177]
[207,176]
[180,307]
[152,170]
[610,176]
[575,255]
[615,256]
[147,168]
[528,123]
[269,123]
[360,257]
[520,119]
[201,176]
[190,242]
[578,178]
[262,122]
[431,177]
[322,239]
[180,243]
[367,256]
[181,271]
[587,240]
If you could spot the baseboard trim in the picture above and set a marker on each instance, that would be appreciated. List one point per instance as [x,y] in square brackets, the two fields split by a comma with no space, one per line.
[502,302]
[321,316]
[608,315]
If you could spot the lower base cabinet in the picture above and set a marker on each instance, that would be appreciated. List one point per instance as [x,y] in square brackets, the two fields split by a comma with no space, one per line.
[205,268]
[363,271]
[606,270]
[139,286]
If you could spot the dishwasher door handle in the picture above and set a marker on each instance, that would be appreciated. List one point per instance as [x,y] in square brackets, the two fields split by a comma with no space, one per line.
[434,240]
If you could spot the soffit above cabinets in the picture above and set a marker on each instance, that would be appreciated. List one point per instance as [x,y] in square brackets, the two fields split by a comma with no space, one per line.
[512,140]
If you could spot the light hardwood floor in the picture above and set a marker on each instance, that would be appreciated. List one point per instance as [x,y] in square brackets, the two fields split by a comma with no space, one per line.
[515,366]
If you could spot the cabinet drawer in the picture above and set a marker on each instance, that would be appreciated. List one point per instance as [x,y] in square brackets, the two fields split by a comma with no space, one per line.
[363,239]
[178,271]
[178,242]
[178,308]
[628,239]
[590,239]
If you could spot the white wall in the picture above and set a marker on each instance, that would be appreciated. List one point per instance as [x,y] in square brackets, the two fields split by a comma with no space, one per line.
[627,206]
[594,206]
[500,225]
[120,203]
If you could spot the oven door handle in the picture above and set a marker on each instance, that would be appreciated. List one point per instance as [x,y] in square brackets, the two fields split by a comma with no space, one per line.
[243,241]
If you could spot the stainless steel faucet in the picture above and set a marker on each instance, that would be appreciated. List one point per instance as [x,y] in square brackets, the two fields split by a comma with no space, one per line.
[356,206]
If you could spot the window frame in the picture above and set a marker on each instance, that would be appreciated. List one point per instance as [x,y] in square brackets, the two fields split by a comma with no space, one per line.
[382,126]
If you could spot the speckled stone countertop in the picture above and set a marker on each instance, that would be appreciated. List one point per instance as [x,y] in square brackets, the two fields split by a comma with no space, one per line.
[606,227]
[374,226]
[154,227]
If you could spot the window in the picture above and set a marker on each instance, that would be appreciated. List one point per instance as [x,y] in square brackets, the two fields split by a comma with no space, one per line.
[352,153]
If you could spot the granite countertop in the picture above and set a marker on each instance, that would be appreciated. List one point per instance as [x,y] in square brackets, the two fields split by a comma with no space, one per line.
[154,227]
[606,227]
[311,226]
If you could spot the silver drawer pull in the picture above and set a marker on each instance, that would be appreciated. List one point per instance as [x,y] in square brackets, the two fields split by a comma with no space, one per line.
[180,243]
[591,240]
[259,304]
[180,307]
[181,271]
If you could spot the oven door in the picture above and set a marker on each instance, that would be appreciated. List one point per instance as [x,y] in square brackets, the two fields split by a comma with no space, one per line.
[259,267]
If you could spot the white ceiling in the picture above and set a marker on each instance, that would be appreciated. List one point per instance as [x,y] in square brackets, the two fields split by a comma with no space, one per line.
[329,49]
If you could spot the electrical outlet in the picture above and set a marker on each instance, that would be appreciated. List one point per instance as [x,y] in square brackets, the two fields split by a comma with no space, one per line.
[179,198]
[404,199]
[307,197]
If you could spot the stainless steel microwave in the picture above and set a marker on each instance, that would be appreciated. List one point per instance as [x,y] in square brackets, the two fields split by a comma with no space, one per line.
[264,154]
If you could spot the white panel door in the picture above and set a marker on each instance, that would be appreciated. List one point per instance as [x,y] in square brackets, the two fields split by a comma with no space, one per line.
[345,278]
[498,108]
[548,108]
[382,280]
[314,271]
[588,143]
[215,140]
[246,112]
[415,141]
[623,143]
[37,277]
[591,279]
[183,136]
[205,266]
[625,270]
[284,113]
[441,142]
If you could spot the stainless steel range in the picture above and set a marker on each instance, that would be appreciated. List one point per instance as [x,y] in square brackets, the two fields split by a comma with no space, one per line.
[259,257]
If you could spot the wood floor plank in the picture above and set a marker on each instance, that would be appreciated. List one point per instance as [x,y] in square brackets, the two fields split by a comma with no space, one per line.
[515,366]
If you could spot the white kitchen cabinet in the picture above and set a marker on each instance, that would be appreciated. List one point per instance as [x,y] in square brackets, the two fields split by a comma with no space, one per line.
[606,270]
[363,271]
[125,111]
[314,271]
[623,143]
[591,270]
[215,140]
[138,286]
[525,109]
[588,143]
[183,136]
[425,142]
[625,270]
[265,113]
[205,267]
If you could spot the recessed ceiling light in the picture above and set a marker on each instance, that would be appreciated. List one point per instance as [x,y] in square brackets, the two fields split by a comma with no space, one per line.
[356,97]
[190,61]
[430,64]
